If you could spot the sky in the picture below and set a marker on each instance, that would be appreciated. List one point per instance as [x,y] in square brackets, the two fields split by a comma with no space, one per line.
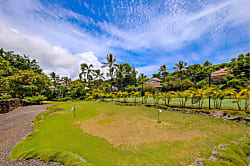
[62,34]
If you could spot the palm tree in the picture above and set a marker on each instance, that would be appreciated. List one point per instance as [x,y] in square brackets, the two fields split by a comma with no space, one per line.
[243,94]
[120,73]
[163,70]
[180,66]
[183,97]
[87,72]
[66,80]
[142,78]
[54,77]
[99,75]
[110,61]
[207,63]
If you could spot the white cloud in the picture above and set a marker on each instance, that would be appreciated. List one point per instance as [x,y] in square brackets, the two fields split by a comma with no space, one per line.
[51,57]
[46,33]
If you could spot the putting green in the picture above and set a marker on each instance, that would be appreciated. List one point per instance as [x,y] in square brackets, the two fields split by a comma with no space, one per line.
[106,134]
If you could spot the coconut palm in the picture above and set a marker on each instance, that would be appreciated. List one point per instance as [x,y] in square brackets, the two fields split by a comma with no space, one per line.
[179,67]
[98,75]
[163,71]
[120,73]
[87,71]
[168,96]
[110,61]
[183,97]
[239,96]
[198,95]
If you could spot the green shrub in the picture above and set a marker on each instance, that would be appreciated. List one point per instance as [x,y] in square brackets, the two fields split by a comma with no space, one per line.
[64,98]
[34,100]
[4,97]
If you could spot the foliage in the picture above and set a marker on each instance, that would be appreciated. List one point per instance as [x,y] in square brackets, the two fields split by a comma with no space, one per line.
[4,97]
[19,62]
[149,88]
[34,100]
[131,88]
[27,83]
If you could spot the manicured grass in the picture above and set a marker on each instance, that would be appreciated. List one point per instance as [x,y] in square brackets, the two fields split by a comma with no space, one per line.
[178,140]
[226,103]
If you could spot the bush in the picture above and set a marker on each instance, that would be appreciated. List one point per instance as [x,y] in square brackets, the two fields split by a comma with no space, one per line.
[5,97]
[34,100]
[64,99]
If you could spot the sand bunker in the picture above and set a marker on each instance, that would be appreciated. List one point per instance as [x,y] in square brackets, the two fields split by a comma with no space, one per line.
[130,130]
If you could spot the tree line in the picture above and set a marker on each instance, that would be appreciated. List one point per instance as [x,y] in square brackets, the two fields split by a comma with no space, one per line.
[22,77]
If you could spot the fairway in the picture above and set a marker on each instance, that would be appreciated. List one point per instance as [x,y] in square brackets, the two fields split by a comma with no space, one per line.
[106,134]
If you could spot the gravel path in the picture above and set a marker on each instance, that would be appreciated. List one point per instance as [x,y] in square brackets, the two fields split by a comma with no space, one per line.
[14,126]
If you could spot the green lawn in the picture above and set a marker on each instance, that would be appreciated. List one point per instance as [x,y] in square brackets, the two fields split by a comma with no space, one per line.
[226,103]
[106,134]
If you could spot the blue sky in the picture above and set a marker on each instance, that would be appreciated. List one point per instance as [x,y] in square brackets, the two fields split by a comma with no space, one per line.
[61,34]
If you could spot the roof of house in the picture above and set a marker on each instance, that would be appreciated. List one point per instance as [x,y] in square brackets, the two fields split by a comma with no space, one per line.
[155,79]
[220,73]
[154,83]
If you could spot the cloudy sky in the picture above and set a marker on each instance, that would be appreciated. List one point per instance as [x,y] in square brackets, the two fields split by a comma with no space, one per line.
[61,34]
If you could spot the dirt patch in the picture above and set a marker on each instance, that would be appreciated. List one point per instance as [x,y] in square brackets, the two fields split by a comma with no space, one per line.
[61,112]
[134,130]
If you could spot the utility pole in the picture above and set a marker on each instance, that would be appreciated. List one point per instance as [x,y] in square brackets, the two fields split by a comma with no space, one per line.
[209,82]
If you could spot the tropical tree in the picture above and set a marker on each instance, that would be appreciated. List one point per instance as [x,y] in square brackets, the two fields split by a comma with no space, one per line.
[87,71]
[163,71]
[183,97]
[98,75]
[27,83]
[141,78]
[207,63]
[179,67]
[244,94]
[66,80]
[110,62]
[168,96]
[146,96]
[120,73]
[54,77]
[156,97]
[198,95]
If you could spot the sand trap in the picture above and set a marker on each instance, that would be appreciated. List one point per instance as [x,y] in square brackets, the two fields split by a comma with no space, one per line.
[130,130]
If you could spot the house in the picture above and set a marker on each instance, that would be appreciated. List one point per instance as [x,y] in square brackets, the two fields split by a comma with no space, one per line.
[220,73]
[155,82]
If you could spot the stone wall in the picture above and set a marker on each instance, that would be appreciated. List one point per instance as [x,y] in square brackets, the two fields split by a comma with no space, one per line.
[9,105]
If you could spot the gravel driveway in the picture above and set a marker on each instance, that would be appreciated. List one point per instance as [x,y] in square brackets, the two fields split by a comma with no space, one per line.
[14,126]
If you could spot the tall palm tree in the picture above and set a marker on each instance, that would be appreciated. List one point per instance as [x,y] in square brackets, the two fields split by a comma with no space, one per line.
[180,66]
[110,62]
[99,75]
[163,71]
[142,77]
[87,71]
[120,73]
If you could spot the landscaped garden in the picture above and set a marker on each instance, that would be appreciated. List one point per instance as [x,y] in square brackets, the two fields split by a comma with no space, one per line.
[116,117]
[108,134]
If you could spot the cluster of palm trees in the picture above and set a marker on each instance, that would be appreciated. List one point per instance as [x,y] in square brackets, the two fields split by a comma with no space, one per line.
[198,96]
[90,74]
[120,75]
